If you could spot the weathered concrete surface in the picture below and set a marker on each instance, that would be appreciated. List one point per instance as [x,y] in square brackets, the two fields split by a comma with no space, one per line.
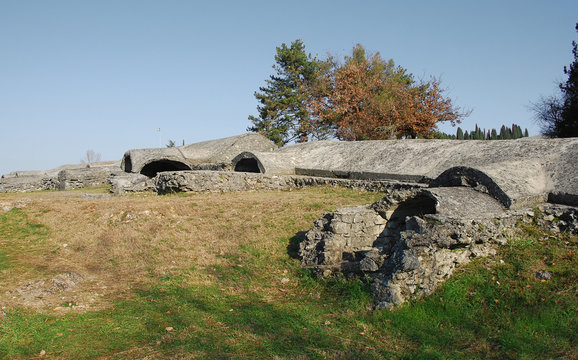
[226,181]
[520,171]
[207,155]
[409,242]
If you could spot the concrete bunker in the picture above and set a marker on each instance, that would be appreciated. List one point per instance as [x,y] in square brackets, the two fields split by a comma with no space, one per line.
[247,162]
[152,168]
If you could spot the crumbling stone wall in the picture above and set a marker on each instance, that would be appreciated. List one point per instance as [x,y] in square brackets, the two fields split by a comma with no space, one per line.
[85,177]
[411,241]
[223,181]
[27,184]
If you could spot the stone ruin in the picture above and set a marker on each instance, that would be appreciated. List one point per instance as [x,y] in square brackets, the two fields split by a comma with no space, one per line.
[66,177]
[446,201]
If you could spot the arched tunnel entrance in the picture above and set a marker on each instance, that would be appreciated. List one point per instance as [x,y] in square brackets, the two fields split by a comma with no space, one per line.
[247,165]
[151,169]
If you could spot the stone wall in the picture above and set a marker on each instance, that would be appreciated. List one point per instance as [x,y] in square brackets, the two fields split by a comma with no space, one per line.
[27,184]
[222,181]
[67,179]
[85,177]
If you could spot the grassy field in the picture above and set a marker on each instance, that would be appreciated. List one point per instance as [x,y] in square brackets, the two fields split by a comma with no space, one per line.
[214,276]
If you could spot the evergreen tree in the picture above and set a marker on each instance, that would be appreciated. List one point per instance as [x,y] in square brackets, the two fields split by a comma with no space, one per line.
[568,127]
[283,114]
[558,115]
[494,135]
[460,134]
[466,135]
[526,132]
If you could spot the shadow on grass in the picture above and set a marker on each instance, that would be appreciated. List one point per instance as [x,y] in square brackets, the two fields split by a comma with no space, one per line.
[294,242]
[211,323]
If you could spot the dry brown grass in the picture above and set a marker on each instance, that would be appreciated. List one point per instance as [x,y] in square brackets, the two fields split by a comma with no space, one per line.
[118,243]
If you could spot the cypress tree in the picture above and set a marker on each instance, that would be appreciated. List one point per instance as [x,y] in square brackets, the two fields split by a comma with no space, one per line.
[460,134]
[494,135]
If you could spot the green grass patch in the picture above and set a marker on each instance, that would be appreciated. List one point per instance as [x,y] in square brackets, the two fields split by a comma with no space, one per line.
[19,235]
[257,302]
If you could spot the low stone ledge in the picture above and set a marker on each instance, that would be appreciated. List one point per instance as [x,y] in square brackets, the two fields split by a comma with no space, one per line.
[222,181]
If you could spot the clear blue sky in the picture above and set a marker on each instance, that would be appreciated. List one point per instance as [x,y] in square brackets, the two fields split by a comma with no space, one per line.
[105,74]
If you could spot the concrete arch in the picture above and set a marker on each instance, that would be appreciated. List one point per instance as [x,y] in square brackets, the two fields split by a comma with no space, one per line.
[156,166]
[247,162]
[270,163]
[474,178]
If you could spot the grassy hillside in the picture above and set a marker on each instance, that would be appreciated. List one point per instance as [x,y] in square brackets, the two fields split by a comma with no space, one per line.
[214,276]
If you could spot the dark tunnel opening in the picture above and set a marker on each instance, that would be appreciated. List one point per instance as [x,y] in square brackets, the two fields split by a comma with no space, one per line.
[127,163]
[247,165]
[151,169]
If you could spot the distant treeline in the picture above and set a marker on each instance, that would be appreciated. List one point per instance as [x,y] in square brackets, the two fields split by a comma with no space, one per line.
[505,133]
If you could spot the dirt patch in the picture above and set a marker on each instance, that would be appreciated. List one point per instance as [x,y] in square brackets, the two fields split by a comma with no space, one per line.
[40,292]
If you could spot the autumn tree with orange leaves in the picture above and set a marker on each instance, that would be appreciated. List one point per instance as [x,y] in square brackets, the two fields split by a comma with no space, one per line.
[368,98]
[371,99]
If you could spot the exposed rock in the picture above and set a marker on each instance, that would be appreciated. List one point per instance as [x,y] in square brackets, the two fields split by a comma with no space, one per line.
[543,275]
[559,218]
[33,293]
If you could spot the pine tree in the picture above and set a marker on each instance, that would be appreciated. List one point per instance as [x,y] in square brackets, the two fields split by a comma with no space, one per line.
[283,114]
